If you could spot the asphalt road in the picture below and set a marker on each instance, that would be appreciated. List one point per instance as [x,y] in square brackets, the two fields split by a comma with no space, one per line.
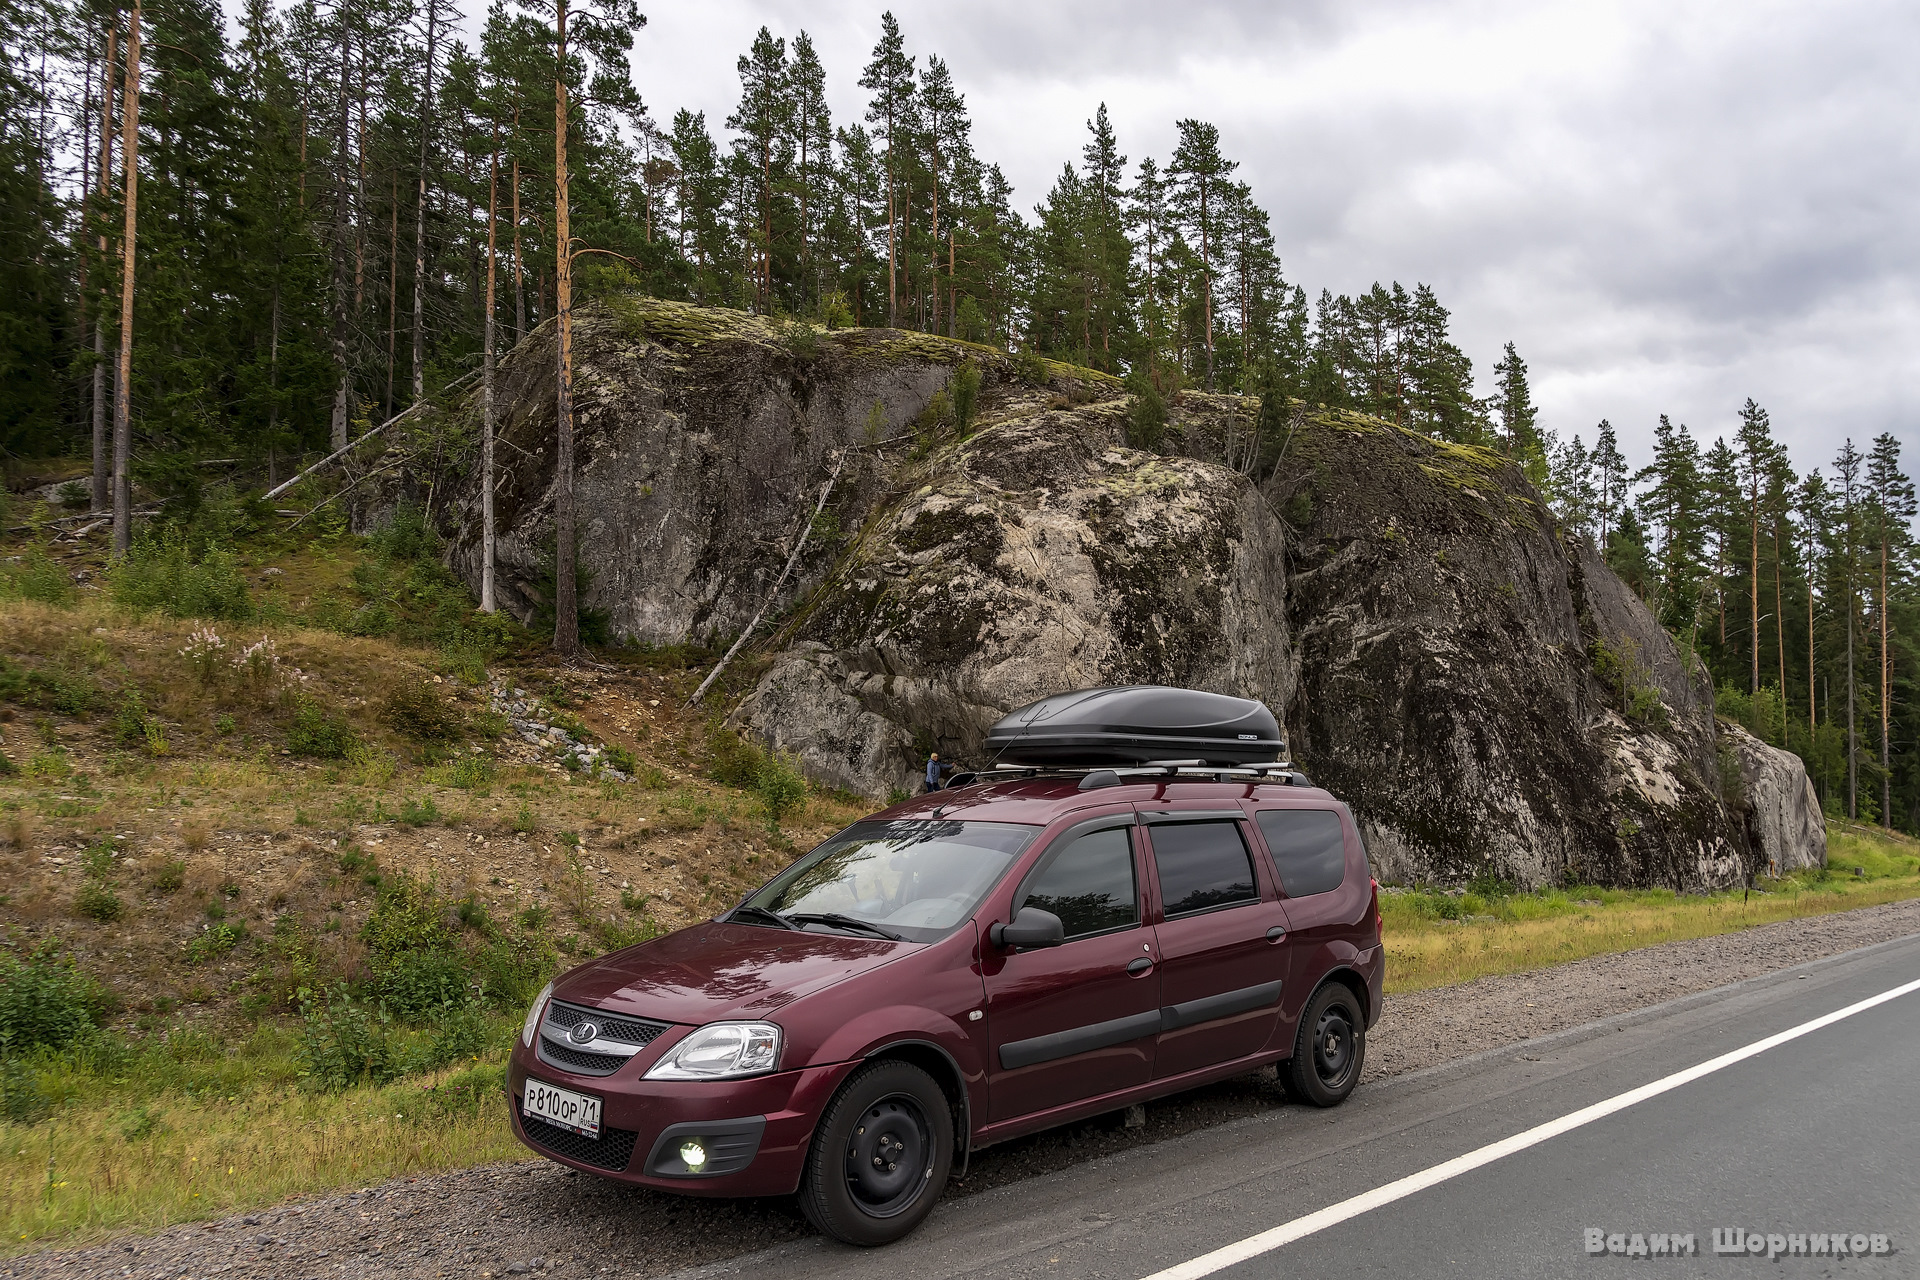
[1820,1134]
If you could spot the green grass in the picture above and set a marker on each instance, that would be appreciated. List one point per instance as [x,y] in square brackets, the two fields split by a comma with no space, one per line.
[1438,939]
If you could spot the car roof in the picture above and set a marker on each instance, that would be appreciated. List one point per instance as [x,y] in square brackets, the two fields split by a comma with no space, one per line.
[1038,801]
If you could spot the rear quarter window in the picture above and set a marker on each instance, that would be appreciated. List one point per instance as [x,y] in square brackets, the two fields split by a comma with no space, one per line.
[1309,849]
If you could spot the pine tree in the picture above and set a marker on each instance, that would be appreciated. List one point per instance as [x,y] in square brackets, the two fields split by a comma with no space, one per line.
[764,117]
[811,140]
[1199,173]
[1892,508]
[1846,470]
[1609,481]
[890,78]
[1756,457]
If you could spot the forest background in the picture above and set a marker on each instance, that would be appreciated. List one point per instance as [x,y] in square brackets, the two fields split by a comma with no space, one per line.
[317,185]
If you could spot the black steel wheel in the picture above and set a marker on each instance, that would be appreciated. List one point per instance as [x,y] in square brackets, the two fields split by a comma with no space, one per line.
[1329,1049]
[880,1157]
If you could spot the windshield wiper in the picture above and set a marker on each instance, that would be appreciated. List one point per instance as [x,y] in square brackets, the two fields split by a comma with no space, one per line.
[847,922]
[761,913]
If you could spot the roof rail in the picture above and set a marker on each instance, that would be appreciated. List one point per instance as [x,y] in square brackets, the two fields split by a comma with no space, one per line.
[1099,775]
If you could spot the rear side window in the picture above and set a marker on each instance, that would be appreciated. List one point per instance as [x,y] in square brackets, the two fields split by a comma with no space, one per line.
[1309,849]
[1202,865]
[1089,884]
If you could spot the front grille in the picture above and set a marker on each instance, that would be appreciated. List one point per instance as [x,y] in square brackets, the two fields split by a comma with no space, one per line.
[612,1150]
[555,1049]
[586,1064]
[640,1031]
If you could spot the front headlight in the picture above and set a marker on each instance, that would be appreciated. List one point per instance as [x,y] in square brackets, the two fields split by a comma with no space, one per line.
[533,1015]
[721,1051]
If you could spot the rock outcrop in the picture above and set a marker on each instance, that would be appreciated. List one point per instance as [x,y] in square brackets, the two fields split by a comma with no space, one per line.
[1485,692]
[1784,824]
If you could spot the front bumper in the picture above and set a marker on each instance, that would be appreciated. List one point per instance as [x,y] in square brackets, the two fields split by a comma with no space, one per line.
[755,1131]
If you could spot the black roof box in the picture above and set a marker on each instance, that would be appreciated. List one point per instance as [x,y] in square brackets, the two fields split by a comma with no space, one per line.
[1137,724]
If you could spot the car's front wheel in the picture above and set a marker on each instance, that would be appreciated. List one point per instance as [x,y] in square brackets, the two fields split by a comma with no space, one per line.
[1329,1049]
[880,1157]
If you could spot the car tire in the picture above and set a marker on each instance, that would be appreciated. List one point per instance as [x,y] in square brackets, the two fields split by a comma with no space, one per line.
[880,1156]
[1329,1049]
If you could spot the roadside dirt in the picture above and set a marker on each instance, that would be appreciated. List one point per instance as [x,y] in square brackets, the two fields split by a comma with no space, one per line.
[536,1218]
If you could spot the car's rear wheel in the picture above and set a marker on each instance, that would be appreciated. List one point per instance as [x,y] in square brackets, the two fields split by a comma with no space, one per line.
[1329,1049]
[880,1157]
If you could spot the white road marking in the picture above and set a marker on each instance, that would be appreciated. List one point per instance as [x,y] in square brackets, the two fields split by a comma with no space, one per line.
[1287,1232]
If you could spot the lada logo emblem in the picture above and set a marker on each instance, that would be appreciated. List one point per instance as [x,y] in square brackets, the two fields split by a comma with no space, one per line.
[584,1033]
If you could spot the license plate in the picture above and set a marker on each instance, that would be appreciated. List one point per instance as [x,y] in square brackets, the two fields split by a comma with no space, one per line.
[579,1112]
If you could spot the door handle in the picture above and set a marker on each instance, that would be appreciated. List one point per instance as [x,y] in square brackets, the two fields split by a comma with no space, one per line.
[1139,965]
[1277,934]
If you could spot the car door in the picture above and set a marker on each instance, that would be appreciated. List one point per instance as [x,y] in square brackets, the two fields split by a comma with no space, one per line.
[1309,848]
[1078,1020]
[1221,934]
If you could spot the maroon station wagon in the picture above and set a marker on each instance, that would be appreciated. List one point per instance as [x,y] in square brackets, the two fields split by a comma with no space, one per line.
[960,969]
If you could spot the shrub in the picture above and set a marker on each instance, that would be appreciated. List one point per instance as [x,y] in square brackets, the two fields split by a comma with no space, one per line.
[406,535]
[169,876]
[1030,367]
[780,787]
[21,1099]
[343,1043]
[419,813]
[966,395]
[96,900]
[37,577]
[216,940]
[736,762]
[45,1001]
[164,574]
[422,713]
[512,967]
[622,759]
[407,916]
[318,733]
[418,983]
[1147,416]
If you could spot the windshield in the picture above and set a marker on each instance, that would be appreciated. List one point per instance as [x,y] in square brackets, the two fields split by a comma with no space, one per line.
[916,879]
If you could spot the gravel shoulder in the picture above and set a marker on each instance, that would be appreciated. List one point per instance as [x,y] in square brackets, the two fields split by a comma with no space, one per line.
[534,1217]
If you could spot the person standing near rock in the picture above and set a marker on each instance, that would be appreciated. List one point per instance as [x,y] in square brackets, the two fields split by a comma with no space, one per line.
[935,769]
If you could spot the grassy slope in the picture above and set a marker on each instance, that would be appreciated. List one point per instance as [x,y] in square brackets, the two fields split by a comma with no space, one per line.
[193,1105]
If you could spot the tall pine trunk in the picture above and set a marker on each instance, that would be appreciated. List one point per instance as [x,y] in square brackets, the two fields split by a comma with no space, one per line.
[1753,581]
[393,289]
[102,448]
[566,607]
[123,375]
[420,219]
[1886,691]
[486,391]
[519,276]
[343,387]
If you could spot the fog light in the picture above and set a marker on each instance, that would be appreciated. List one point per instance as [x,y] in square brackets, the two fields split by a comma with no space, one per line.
[693,1155]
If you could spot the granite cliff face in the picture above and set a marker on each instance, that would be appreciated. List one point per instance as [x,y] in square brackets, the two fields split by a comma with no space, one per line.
[1481,688]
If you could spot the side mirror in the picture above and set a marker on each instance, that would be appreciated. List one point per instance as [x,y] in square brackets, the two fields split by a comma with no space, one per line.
[1030,927]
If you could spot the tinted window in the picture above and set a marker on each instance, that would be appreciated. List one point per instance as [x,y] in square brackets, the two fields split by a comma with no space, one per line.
[1089,884]
[1202,865]
[1309,850]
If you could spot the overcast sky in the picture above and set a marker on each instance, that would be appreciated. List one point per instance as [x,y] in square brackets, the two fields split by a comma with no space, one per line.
[1668,207]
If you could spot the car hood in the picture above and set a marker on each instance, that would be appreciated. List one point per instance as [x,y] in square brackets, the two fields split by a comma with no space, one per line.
[717,971]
